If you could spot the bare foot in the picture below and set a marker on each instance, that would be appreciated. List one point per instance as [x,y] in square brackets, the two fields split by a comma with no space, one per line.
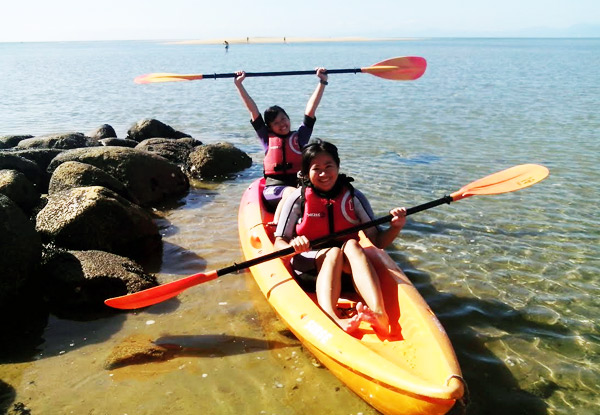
[349,325]
[379,321]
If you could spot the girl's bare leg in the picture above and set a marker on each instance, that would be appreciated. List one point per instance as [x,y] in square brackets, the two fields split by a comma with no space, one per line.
[329,287]
[367,284]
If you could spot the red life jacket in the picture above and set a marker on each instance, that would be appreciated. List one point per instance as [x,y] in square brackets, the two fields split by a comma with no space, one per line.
[323,216]
[284,156]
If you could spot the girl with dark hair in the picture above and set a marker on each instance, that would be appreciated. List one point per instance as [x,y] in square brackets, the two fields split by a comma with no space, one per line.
[327,203]
[283,147]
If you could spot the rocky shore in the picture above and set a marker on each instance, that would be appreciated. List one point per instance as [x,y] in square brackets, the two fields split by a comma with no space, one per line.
[77,216]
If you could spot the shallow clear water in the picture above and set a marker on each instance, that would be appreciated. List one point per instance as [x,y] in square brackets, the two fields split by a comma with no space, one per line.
[513,278]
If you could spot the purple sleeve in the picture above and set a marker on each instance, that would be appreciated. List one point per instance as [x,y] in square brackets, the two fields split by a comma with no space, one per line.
[305,130]
[262,132]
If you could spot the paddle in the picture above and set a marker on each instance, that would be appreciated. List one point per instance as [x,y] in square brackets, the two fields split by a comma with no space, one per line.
[505,181]
[406,68]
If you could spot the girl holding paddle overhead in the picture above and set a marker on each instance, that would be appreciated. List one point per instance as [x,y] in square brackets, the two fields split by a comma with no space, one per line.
[282,146]
[327,203]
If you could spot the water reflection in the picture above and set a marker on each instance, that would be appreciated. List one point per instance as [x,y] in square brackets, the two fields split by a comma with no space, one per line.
[493,387]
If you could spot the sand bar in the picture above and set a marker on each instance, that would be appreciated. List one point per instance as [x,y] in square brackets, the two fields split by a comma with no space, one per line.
[260,40]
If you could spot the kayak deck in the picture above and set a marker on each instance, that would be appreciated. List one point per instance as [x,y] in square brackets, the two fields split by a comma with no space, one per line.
[413,370]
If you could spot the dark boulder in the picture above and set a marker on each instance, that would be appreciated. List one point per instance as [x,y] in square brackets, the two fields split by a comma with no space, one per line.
[61,141]
[20,251]
[72,174]
[176,151]
[9,141]
[104,131]
[119,142]
[82,280]
[42,157]
[217,160]
[151,128]
[96,218]
[15,185]
[31,170]
[150,178]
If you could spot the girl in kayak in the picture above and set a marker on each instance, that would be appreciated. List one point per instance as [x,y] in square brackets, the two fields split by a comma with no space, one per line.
[283,147]
[327,203]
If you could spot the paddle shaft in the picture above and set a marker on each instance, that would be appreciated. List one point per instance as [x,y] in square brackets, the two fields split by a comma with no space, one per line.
[509,180]
[281,73]
[320,241]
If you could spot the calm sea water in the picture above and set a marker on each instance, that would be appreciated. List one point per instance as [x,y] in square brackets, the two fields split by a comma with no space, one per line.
[513,278]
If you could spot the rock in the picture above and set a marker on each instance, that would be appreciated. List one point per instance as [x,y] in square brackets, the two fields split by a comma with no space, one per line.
[191,141]
[8,141]
[82,280]
[20,253]
[150,178]
[176,151]
[104,131]
[120,142]
[151,128]
[72,174]
[31,170]
[40,156]
[7,396]
[19,408]
[133,350]
[62,141]
[15,185]
[217,160]
[96,218]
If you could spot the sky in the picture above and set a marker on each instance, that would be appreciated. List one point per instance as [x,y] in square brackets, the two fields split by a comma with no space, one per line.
[78,20]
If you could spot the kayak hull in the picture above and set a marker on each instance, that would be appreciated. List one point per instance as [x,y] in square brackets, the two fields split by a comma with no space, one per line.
[413,370]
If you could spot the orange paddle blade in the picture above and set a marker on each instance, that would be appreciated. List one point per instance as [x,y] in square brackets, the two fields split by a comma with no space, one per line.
[165,77]
[509,180]
[158,294]
[404,68]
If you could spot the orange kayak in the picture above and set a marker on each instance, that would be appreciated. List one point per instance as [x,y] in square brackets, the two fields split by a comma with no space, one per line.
[413,370]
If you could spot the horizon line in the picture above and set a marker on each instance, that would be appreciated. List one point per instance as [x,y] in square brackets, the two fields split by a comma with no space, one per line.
[300,39]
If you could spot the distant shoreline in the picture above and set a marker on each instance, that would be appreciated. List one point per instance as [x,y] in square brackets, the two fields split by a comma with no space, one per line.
[262,40]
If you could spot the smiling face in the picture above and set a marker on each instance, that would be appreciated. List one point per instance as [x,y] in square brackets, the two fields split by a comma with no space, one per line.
[281,124]
[323,172]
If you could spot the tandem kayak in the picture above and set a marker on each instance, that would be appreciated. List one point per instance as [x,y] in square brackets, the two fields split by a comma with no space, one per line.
[413,370]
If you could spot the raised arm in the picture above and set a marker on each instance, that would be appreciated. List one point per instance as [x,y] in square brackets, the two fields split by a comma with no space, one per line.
[315,99]
[246,98]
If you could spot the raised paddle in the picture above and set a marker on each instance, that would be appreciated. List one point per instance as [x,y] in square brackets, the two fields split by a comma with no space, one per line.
[405,68]
[504,181]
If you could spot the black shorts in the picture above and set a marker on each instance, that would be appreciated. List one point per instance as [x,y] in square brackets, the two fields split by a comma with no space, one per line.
[304,266]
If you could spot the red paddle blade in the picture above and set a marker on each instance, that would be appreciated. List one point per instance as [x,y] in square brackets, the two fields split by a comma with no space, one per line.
[160,293]
[165,77]
[509,180]
[404,68]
